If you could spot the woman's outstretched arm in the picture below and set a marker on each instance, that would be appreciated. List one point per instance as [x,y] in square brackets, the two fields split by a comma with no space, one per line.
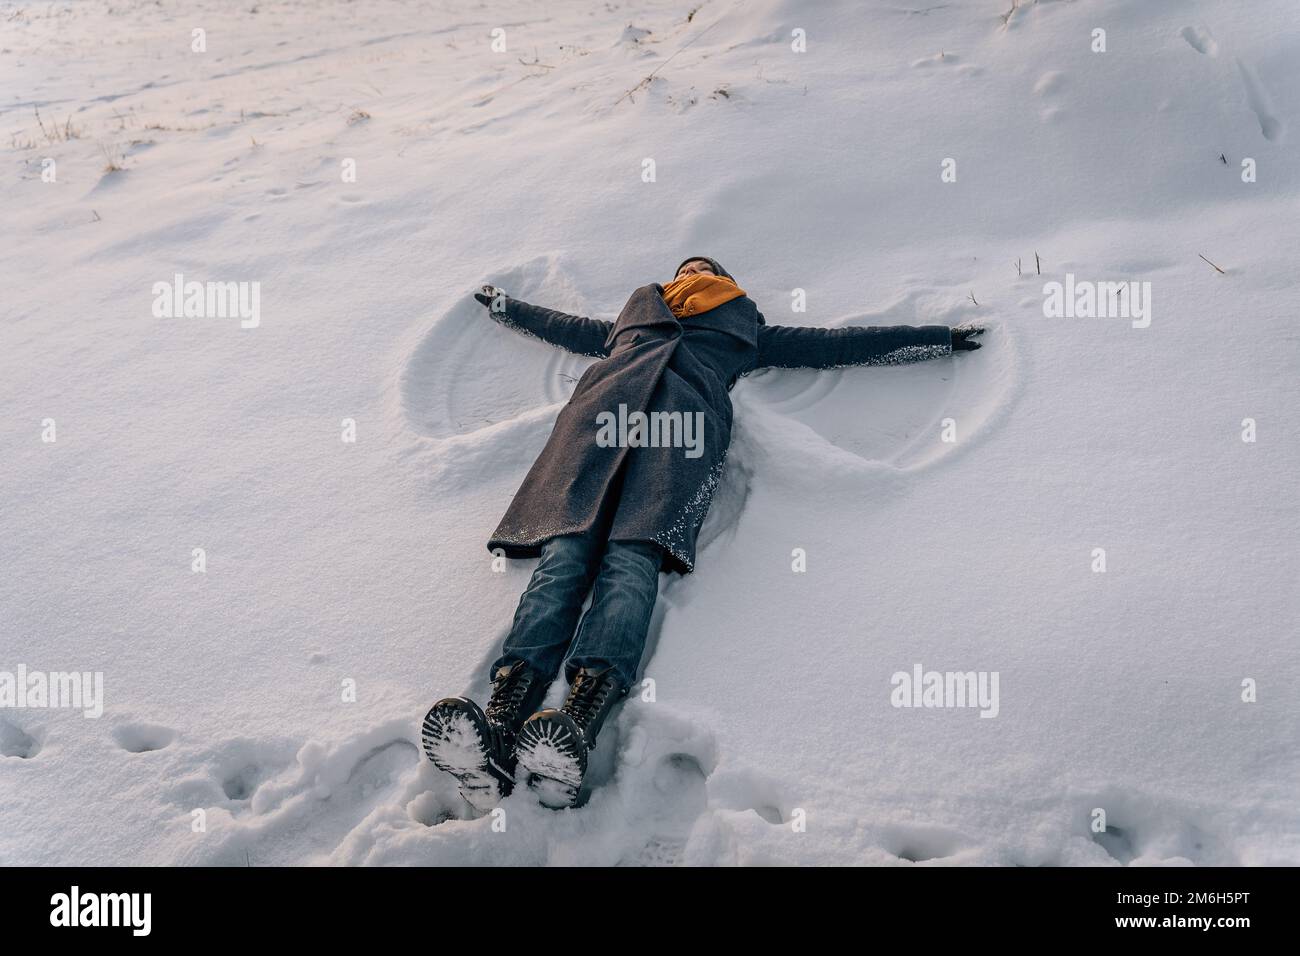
[571,332]
[784,346]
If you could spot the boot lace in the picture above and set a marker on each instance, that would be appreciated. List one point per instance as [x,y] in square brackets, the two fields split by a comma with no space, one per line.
[508,693]
[587,697]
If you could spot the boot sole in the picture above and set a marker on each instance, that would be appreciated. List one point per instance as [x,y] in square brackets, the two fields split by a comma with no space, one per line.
[552,756]
[455,738]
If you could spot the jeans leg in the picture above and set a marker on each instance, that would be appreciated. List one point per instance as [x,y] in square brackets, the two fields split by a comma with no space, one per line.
[613,632]
[549,607]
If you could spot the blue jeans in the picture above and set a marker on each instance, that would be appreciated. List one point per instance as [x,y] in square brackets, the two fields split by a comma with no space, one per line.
[613,632]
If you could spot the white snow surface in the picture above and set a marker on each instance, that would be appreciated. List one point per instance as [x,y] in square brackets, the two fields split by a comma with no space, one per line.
[771,737]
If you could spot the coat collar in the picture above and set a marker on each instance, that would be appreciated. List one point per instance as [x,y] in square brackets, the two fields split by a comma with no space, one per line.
[646,309]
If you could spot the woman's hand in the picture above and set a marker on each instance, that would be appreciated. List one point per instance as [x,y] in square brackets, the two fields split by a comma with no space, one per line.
[493,298]
[963,338]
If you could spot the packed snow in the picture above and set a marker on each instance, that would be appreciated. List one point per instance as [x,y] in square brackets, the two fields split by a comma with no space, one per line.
[273,607]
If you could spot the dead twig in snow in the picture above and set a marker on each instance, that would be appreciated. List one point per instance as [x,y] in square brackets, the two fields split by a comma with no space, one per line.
[535,61]
[54,134]
[651,75]
[113,158]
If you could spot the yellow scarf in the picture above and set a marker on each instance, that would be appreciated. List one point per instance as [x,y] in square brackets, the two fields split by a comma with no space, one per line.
[698,292]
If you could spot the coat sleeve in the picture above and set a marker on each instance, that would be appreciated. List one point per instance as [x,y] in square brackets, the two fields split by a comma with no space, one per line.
[784,346]
[571,332]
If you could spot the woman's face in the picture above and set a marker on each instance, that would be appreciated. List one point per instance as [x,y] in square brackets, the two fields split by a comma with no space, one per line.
[695,267]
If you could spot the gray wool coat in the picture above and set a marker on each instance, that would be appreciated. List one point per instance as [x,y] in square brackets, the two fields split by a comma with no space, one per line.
[652,362]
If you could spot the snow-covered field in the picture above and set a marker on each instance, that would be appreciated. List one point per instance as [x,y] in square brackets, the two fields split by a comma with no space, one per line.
[333,565]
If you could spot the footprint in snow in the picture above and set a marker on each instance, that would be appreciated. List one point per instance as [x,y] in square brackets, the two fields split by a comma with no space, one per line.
[667,780]
[1260,102]
[227,774]
[143,738]
[1256,93]
[917,844]
[284,801]
[1142,829]
[17,743]
[1199,39]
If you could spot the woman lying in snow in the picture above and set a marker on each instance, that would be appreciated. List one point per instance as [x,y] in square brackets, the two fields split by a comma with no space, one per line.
[608,517]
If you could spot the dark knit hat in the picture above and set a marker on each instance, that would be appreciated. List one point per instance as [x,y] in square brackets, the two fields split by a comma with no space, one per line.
[717,269]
